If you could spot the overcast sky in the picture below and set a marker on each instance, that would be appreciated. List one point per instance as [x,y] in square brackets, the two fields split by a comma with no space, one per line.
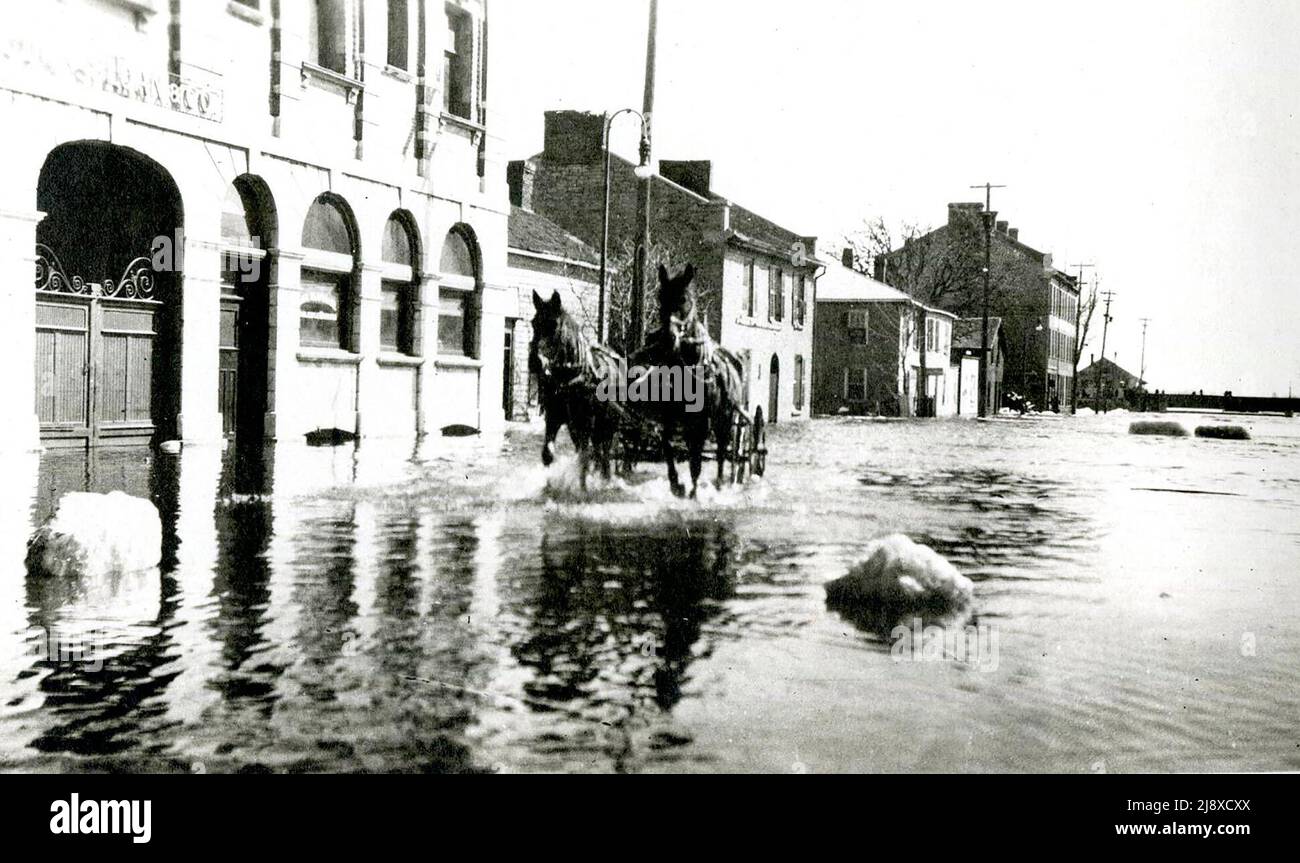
[1156,139]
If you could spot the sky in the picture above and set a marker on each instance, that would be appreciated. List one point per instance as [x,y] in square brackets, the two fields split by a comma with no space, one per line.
[1157,140]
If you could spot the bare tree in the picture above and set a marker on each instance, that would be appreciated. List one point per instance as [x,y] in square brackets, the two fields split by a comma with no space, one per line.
[620,290]
[1082,321]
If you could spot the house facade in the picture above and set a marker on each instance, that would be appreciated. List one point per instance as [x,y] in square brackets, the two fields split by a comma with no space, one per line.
[250,219]
[755,279]
[1037,304]
[867,349]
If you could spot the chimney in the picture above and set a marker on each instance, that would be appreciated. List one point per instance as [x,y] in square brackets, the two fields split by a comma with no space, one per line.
[1003,226]
[520,176]
[1014,233]
[964,210]
[574,138]
[690,174]
[846,257]
[881,269]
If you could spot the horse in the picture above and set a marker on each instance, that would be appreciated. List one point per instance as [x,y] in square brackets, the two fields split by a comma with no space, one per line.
[570,370]
[683,341]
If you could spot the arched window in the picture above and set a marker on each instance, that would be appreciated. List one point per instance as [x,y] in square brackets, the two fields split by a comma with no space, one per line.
[398,330]
[242,250]
[328,277]
[457,293]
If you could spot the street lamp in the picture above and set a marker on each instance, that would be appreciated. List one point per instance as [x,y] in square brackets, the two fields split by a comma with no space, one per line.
[642,171]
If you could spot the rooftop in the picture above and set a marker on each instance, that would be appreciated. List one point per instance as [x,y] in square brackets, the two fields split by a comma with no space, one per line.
[531,232]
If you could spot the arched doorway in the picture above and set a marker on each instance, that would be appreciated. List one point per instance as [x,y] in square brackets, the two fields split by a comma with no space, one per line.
[247,232]
[108,274]
[773,389]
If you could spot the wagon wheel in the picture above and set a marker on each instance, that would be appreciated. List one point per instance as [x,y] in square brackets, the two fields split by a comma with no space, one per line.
[738,453]
[758,445]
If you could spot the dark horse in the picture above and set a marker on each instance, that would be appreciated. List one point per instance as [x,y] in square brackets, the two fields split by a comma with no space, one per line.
[683,341]
[570,369]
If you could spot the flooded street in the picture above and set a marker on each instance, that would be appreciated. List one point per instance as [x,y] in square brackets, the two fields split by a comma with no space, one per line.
[361,609]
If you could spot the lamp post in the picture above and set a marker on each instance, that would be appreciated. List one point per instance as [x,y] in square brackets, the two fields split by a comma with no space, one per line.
[642,259]
[642,172]
[1047,363]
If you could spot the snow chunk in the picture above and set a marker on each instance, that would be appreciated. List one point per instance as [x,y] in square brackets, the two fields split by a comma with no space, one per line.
[900,576]
[95,534]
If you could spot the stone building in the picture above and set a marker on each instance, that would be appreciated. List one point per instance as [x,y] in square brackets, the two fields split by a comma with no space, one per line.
[249,218]
[867,349]
[1037,304]
[755,278]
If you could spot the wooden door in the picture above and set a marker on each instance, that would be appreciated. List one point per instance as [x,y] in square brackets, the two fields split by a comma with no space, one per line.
[95,346]
[228,364]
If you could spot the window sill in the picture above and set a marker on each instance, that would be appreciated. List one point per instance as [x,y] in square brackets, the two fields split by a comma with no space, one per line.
[463,123]
[450,361]
[759,324]
[392,358]
[330,80]
[336,356]
[246,12]
[398,73]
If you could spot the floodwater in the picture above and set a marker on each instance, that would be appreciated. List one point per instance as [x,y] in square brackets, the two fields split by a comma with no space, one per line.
[1137,607]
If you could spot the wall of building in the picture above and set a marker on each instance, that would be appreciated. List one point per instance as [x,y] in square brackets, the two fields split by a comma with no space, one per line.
[881,356]
[758,339]
[296,133]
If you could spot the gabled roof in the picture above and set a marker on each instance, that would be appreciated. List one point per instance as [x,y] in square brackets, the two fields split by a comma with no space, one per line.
[1108,367]
[531,232]
[841,284]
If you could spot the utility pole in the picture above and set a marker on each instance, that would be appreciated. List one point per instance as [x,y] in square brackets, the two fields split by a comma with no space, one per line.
[641,262]
[1105,325]
[1078,343]
[989,215]
[1142,364]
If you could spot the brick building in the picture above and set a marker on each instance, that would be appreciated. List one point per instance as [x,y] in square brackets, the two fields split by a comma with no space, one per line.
[1037,303]
[249,219]
[867,348]
[542,257]
[755,278]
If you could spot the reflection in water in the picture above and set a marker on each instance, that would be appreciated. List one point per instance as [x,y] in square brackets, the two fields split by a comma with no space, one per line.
[100,673]
[610,620]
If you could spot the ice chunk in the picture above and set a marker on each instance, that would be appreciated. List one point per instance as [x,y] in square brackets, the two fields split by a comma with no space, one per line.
[94,534]
[899,576]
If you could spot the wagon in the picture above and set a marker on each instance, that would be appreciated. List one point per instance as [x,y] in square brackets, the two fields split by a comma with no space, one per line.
[639,439]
